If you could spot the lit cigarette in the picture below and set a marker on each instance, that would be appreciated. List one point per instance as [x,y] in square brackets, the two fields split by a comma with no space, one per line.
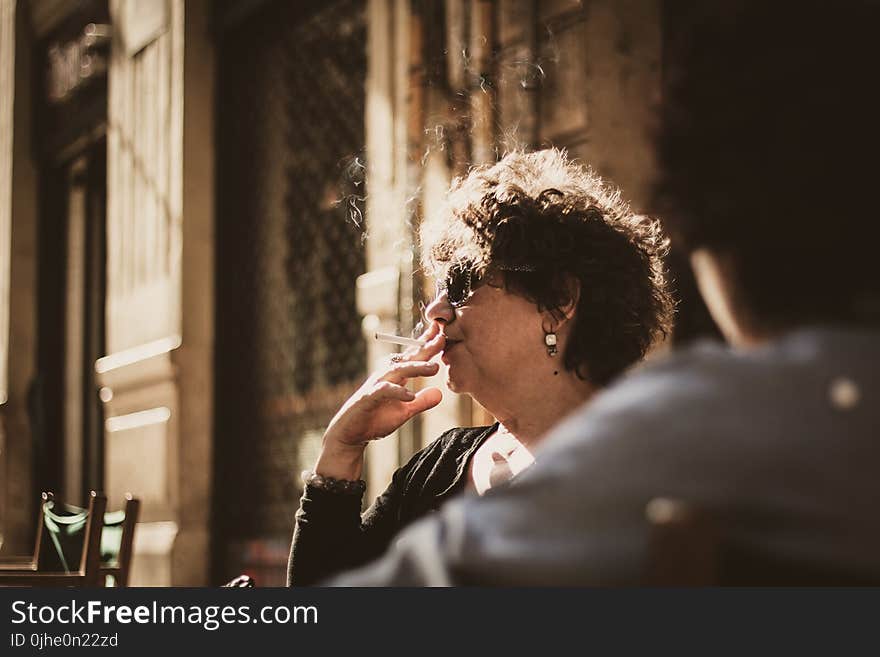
[399,339]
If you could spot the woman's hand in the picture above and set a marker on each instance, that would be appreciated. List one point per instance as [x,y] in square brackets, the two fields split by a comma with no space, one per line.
[379,407]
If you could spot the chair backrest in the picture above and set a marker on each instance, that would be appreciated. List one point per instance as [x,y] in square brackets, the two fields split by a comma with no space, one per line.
[118,541]
[690,548]
[62,539]
[82,568]
[38,543]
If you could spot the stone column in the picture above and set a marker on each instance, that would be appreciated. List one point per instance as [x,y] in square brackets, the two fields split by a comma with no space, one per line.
[7,94]
[621,87]
[387,245]
[407,176]
[160,283]
[18,278]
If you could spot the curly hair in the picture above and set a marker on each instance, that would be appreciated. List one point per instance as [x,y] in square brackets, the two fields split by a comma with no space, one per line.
[767,142]
[543,222]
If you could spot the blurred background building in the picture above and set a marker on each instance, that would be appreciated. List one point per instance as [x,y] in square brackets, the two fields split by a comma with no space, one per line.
[206,207]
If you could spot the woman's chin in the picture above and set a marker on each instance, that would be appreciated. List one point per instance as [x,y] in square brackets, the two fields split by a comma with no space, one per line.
[454,384]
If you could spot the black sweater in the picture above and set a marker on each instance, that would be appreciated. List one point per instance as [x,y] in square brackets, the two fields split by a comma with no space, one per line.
[331,535]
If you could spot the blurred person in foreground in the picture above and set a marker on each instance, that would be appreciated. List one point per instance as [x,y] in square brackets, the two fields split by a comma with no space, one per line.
[767,144]
[550,287]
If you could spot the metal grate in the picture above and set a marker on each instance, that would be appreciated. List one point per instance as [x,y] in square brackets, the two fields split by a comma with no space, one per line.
[289,239]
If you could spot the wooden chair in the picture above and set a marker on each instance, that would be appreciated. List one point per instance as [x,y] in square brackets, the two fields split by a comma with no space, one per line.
[689,548]
[27,562]
[117,542]
[31,573]
[67,534]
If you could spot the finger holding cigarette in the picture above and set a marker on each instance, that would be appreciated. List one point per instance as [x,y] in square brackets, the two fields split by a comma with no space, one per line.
[382,404]
[426,346]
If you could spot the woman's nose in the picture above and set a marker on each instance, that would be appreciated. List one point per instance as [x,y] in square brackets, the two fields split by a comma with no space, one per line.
[439,310]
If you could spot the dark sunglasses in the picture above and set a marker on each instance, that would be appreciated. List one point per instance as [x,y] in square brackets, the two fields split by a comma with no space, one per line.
[459,285]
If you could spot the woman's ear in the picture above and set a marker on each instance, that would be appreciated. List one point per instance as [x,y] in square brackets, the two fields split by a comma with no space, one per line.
[555,317]
[573,294]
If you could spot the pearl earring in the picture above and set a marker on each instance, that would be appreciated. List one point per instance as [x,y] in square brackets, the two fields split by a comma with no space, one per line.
[550,343]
